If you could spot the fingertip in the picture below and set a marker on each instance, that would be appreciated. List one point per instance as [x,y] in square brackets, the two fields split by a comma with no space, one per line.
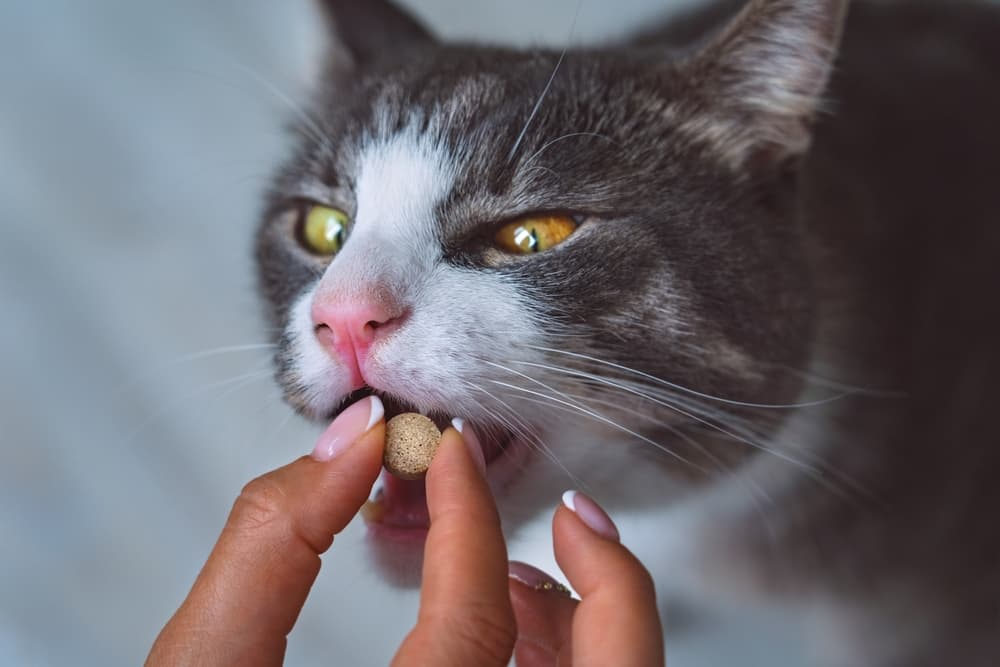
[591,514]
[473,446]
[590,557]
[457,451]
[465,590]
[364,421]
[377,411]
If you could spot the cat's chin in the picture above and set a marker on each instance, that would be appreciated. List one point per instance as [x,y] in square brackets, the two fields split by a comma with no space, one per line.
[398,519]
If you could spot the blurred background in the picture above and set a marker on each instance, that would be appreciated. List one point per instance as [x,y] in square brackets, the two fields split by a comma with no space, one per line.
[135,389]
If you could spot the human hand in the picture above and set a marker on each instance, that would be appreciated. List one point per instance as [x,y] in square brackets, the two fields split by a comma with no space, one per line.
[253,586]
[250,592]
[616,621]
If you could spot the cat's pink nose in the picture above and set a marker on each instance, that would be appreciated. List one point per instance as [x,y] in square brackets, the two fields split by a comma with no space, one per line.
[348,329]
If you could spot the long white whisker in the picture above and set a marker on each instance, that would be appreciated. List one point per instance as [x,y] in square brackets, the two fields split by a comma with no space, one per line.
[687,390]
[295,108]
[659,401]
[239,381]
[829,383]
[817,474]
[529,437]
[548,86]
[680,434]
[601,418]
[204,354]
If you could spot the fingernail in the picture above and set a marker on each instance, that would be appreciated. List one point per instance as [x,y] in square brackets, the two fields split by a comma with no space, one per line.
[472,442]
[534,578]
[348,427]
[591,514]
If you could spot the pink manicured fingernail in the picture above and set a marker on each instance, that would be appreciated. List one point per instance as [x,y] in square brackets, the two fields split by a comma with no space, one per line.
[472,442]
[591,514]
[350,425]
[532,577]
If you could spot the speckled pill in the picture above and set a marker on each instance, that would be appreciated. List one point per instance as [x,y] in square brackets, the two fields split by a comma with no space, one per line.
[410,443]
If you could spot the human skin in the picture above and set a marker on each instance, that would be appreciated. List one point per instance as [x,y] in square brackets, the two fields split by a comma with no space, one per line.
[475,607]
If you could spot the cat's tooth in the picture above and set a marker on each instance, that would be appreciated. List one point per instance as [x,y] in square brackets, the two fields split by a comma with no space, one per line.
[376,494]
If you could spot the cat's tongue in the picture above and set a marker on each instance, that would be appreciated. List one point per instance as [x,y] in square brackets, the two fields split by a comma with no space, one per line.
[400,506]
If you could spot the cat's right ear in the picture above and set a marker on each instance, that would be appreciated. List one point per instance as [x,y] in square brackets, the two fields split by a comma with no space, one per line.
[364,30]
[755,87]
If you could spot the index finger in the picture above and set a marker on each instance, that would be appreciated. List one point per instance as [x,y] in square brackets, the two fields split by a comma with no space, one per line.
[247,597]
[465,610]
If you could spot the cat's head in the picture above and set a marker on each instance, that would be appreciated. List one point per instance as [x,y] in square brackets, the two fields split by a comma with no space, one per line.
[592,257]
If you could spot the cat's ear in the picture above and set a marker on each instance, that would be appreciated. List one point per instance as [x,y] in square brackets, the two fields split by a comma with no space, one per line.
[364,30]
[758,83]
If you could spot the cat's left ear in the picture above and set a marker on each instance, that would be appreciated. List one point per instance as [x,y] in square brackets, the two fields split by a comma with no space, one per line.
[755,88]
[365,30]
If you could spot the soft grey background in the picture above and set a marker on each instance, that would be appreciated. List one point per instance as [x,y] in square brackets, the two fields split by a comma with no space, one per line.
[134,138]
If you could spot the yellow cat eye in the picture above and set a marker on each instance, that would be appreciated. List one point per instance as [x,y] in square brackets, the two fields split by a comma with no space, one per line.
[535,234]
[324,230]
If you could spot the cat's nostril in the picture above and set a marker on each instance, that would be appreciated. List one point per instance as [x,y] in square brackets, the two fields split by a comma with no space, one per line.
[347,330]
[385,324]
[326,337]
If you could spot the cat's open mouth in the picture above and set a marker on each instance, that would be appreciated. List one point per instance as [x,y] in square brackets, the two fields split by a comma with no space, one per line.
[398,508]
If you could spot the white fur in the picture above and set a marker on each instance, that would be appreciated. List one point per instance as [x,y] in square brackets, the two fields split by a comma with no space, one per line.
[401,179]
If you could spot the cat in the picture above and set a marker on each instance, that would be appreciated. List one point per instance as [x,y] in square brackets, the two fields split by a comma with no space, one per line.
[735,277]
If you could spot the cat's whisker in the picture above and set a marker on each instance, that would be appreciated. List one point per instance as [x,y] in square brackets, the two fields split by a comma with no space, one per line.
[694,392]
[672,428]
[548,334]
[310,123]
[669,405]
[813,378]
[734,433]
[537,107]
[524,431]
[146,375]
[227,349]
[601,418]
[532,439]
[579,405]
[844,485]
[240,381]
[752,488]
[547,88]
[521,428]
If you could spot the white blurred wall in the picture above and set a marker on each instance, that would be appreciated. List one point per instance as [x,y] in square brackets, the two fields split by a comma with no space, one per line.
[134,139]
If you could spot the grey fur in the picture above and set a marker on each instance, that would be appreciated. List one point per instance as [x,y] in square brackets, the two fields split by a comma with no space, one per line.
[747,221]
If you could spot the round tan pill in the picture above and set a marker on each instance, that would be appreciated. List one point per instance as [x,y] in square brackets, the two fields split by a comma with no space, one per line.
[410,443]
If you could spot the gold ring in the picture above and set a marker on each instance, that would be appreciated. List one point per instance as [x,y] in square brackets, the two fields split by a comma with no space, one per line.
[557,588]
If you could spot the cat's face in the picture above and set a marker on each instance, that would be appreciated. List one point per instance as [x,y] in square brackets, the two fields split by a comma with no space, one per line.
[655,265]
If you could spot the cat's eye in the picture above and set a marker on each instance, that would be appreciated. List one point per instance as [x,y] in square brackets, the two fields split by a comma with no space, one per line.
[324,230]
[535,234]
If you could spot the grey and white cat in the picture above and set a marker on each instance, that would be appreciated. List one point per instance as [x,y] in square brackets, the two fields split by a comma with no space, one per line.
[751,306]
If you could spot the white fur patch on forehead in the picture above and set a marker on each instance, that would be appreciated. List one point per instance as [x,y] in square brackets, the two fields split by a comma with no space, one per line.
[402,176]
